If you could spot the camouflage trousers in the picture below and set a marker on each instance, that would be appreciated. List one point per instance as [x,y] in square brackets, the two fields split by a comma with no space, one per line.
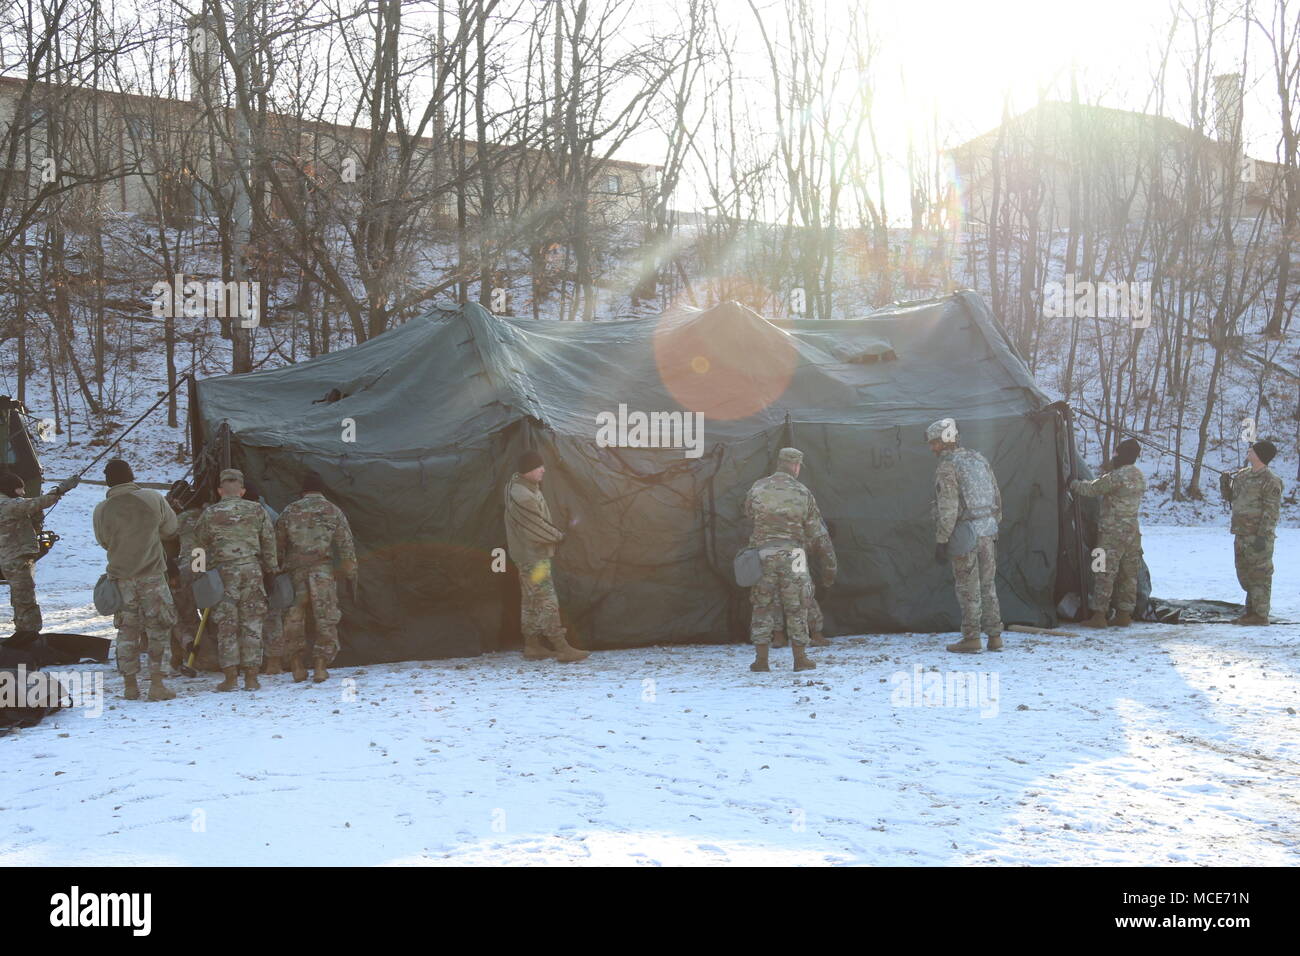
[314,592]
[1119,579]
[781,592]
[144,623]
[238,616]
[273,634]
[539,606]
[22,594]
[187,614]
[815,619]
[1254,559]
[975,574]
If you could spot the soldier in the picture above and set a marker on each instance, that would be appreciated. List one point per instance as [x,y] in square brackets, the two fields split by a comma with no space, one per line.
[968,510]
[787,526]
[1118,534]
[132,524]
[824,567]
[273,650]
[179,551]
[530,540]
[236,536]
[306,532]
[18,549]
[1256,496]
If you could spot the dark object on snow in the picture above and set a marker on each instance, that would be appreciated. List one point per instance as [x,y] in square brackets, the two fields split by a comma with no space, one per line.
[48,649]
[1193,611]
[448,402]
[28,696]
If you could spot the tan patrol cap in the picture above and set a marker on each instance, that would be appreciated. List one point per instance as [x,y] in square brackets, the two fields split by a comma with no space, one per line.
[793,455]
[944,430]
[232,474]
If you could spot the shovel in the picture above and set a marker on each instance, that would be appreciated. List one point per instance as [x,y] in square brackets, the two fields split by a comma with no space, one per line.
[188,667]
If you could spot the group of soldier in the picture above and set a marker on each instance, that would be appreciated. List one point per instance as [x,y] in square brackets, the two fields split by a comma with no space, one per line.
[794,546]
[157,546]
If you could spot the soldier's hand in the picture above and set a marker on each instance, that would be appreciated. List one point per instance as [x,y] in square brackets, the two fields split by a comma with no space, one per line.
[347,570]
[941,553]
[63,487]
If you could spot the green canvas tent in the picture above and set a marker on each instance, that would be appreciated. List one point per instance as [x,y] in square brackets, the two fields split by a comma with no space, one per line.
[416,431]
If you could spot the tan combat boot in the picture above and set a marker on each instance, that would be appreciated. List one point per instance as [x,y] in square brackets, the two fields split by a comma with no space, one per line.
[779,639]
[157,689]
[1251,619]
[250,679]
[566,653]
[995,642]
[1122,619]
[321,675]
[1098,620]
[817,640]
[299,670]
[760,658]
[273,667]
[130,687]
[801,661]
[535,650]
[232,679]
[967,645]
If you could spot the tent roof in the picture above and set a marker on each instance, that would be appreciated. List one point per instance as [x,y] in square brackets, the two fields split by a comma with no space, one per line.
[458,374]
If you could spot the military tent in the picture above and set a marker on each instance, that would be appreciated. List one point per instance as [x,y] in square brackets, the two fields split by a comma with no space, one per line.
[417,430]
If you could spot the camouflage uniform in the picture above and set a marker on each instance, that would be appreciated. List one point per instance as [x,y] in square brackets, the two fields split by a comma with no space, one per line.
[273,623]
[531,538]
[187,614]
[788,527]
[307,532]
[18,550]
[1256,498]
[144,623]
[966,491]
[824,564]
[1118,533]
[237,538]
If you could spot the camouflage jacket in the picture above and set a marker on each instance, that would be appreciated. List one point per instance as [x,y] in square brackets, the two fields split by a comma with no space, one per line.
[821,557]
[17,534]
[785,515]
[187,523]
[1256,501]
[235,531]
[310,529]
[965,489]
[530,534]
[1121,497]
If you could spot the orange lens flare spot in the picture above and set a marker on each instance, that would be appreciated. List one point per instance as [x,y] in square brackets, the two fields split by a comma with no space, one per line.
[699,365]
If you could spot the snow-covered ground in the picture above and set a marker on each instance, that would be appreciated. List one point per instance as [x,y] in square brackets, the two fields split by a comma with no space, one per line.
[1157,745]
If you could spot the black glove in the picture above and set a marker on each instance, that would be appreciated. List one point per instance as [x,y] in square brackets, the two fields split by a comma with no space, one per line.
[941,553]
[1225,485]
